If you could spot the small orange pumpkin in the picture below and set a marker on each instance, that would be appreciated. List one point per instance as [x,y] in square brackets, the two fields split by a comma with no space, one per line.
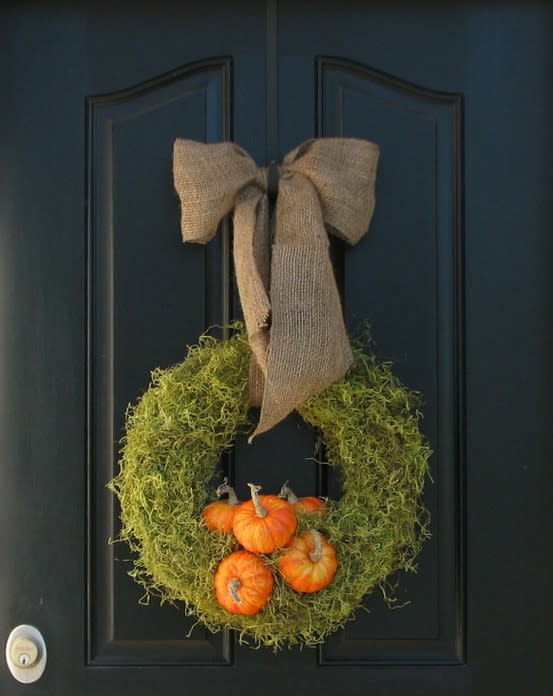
[308,503]
[309,562]
[264,523]
[219,515]
[243,583]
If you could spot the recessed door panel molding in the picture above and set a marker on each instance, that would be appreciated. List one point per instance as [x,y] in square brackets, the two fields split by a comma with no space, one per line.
[148,297]
[405,278]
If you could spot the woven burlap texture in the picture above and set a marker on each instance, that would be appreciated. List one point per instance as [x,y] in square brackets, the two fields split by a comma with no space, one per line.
[284,274]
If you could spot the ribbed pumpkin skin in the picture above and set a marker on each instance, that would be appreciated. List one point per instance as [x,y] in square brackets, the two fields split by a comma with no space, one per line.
[219,516]
[255,583]
[265,534]
[308,503]
[312,505]
[300,571]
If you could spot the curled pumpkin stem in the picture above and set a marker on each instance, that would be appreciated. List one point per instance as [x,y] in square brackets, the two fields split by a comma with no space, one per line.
[288,494]
[225,488]
[233,587]
[259,509]
[317,552]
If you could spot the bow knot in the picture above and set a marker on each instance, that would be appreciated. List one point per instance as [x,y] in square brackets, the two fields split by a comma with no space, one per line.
[287,289]
[271,176]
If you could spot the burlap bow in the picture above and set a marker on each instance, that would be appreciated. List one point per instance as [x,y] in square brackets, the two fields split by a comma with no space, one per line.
[287,288]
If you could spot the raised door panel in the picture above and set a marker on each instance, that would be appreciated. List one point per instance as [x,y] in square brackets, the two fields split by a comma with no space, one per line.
[147,300]
[405,278]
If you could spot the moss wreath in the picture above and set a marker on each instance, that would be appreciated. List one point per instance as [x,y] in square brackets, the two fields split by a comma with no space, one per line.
[368,425]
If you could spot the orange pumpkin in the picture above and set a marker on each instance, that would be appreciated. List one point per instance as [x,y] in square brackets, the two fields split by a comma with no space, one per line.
[309,503]
[219,515]
[243,583]
[309,562]
[264,523]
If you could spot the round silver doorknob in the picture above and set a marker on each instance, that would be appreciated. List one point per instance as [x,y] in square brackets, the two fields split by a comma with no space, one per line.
[26,654]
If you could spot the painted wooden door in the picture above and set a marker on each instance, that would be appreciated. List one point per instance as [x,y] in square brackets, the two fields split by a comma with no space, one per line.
[96,289]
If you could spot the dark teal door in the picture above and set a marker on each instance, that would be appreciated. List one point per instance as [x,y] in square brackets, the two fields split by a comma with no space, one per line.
[96,289]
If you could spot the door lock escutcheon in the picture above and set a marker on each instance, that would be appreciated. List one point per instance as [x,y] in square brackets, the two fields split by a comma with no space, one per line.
[26,654]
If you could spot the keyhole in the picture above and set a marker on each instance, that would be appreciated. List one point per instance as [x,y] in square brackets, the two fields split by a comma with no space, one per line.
[26,654]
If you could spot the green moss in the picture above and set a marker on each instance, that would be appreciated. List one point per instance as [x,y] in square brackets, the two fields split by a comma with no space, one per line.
[369,427]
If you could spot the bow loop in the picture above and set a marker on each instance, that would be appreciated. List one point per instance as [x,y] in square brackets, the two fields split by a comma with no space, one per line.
[287,289]
[208,179]
[343,172]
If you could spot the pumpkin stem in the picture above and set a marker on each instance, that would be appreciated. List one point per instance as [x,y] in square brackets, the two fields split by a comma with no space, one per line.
[225,488]
[317,552]
[288,494]
[233,587]
[259,509]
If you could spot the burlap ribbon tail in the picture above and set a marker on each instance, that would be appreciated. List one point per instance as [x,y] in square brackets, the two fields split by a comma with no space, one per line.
[285,279]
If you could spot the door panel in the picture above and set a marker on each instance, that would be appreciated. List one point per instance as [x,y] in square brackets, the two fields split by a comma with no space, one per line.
[96,289]
[144,298]
[405,280]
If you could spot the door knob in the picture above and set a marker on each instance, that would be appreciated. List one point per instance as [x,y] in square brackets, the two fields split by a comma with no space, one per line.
[26,654]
